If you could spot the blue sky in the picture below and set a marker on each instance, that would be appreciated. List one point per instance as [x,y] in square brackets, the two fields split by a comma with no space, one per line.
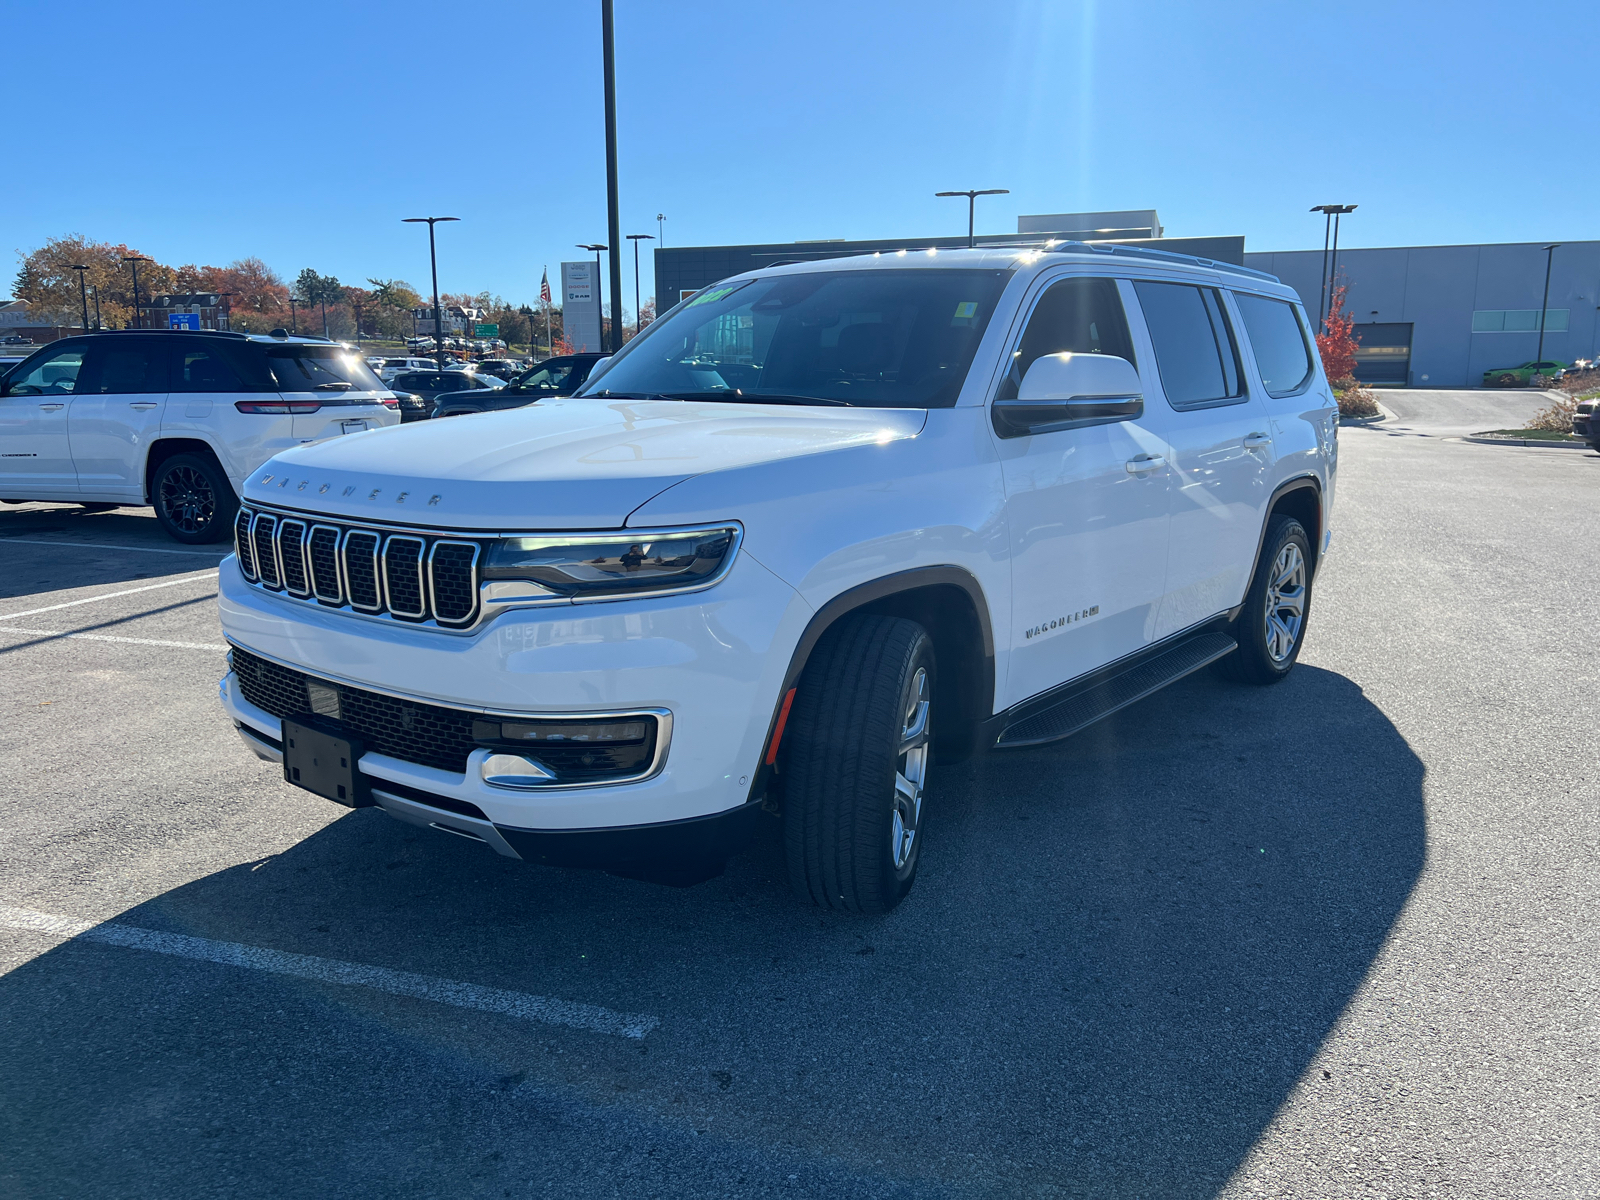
[302,133]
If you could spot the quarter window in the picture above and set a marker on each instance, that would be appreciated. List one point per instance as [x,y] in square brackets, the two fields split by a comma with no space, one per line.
[1195,350]
[1081,316]
[1279,342]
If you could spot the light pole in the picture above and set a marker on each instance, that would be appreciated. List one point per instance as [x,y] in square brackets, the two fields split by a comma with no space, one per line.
[661,239]
[135,260]
[83,293]
[294,315]
[638,319]
[97,306]
[613,221]
[1330,272]
[433,263]
[599,306]
[1544,307]
[972,200]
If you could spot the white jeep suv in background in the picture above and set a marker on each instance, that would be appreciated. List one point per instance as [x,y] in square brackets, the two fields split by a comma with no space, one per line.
[817,528]
[174,419]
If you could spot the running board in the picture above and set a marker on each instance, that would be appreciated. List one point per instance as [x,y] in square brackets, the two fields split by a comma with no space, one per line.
[1068,715]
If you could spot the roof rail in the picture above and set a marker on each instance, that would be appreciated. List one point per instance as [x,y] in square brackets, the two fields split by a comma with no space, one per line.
[227,333]
[1174,256]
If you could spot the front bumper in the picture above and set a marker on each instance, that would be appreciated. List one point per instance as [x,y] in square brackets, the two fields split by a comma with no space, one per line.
[715,660]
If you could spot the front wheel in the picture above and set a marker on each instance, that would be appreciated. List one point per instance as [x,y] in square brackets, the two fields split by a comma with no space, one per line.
[193,499]
[855,764]
[1271,626]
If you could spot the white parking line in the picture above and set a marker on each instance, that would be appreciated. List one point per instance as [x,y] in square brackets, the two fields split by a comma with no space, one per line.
[108,546]
[108,595]
[106,637]
[523,1005]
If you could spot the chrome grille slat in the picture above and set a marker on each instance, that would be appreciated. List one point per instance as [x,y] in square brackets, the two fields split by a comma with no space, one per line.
[290,539]
[241,543]
[414,576]
[322,558]
[261,531]
[402,576]
[360,558]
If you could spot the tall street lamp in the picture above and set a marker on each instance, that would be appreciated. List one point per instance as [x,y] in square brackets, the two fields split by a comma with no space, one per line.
[294,314]
[1329,273]
[97,306]
[433,262]
[599,306]
[83,293]
[613,221]
[638,318]
[135,260]
[1544,307]
[661,239]
[972,199]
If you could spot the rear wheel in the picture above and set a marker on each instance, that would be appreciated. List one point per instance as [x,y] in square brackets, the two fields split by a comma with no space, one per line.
[193,499]
[1272,625]
[1509,380]
[856,762]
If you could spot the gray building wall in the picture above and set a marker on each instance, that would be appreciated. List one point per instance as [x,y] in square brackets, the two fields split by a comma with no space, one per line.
[1437,289]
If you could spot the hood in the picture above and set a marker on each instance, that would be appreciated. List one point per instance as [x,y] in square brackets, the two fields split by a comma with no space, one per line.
[559,464]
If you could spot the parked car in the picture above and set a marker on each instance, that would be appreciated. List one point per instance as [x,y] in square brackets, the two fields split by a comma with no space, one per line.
[554,377]
[413,407]
[15,339]
[395,366]
[431,384]
[823,526]
[501,368]
[176,420]
[1521,376]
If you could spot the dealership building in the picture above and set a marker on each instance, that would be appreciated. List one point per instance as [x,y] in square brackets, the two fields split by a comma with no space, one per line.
[1426,316]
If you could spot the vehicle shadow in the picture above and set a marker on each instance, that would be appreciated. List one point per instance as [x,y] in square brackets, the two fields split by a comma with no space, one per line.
[1123,953]
[51,547]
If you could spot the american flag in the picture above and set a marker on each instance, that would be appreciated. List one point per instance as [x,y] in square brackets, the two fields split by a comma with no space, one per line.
[544,287]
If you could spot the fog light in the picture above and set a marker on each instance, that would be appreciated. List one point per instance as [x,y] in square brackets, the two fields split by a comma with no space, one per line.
[514,771]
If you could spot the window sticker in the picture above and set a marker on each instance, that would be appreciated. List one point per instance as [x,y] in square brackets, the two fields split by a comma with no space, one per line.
[966,310]
[718,293]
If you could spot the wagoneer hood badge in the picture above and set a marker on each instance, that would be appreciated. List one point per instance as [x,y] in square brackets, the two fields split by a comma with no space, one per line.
[558,464]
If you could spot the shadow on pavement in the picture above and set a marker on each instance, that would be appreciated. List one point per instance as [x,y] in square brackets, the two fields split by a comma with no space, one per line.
[1123,953]
[48,548]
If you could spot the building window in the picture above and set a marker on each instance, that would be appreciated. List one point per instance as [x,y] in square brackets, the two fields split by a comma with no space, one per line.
[1518,320]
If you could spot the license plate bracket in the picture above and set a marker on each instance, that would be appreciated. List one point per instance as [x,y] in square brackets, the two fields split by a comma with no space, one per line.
[321,758]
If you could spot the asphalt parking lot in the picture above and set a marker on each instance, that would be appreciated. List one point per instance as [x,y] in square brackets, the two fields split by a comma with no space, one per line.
[1333,939]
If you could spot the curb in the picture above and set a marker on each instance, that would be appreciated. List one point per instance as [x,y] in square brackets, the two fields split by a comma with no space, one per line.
[1383,415]
[1529,443]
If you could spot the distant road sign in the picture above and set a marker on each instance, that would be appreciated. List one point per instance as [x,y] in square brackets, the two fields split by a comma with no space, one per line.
[183,320]
[486,331]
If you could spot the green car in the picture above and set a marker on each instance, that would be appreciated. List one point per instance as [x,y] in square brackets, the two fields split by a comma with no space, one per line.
[1523,375]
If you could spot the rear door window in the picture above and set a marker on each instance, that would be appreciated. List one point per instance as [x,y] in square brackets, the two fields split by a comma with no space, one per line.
[1079,315]
[1195,349]
[1278,340]
[132,366]
[204,369]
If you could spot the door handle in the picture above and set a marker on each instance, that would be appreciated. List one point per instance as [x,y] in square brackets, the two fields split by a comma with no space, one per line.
[52,407]
[1255,441]
[141,404]
[1145,462]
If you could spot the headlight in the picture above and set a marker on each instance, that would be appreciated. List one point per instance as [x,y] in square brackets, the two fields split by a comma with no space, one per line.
[608,566]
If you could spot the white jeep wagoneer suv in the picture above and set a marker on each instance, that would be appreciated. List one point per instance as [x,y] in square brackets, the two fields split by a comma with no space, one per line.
[815,530]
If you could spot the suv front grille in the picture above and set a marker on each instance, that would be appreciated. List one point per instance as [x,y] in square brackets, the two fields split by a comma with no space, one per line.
[431,734]
[413,576]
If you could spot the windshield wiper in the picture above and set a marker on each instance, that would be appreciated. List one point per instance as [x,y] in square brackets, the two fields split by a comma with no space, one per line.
[735,396]
[333,387]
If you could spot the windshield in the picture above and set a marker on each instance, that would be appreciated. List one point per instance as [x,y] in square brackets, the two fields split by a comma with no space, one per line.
[870,338]
[320,368]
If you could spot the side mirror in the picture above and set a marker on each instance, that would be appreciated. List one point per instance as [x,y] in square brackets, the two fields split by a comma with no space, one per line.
[1071,391]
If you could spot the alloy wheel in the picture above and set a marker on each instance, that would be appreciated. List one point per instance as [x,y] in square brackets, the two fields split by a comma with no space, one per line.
[911,769]
[1286,602]
[188,499]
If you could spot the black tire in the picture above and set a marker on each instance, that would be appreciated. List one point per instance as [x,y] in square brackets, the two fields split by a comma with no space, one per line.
[193,499]
[96,506]
[869,683]
[1262,657]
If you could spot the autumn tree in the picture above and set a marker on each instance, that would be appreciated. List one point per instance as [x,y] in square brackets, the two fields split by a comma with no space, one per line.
[1337,342]
[255,293]
[391,305]
[48,283]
